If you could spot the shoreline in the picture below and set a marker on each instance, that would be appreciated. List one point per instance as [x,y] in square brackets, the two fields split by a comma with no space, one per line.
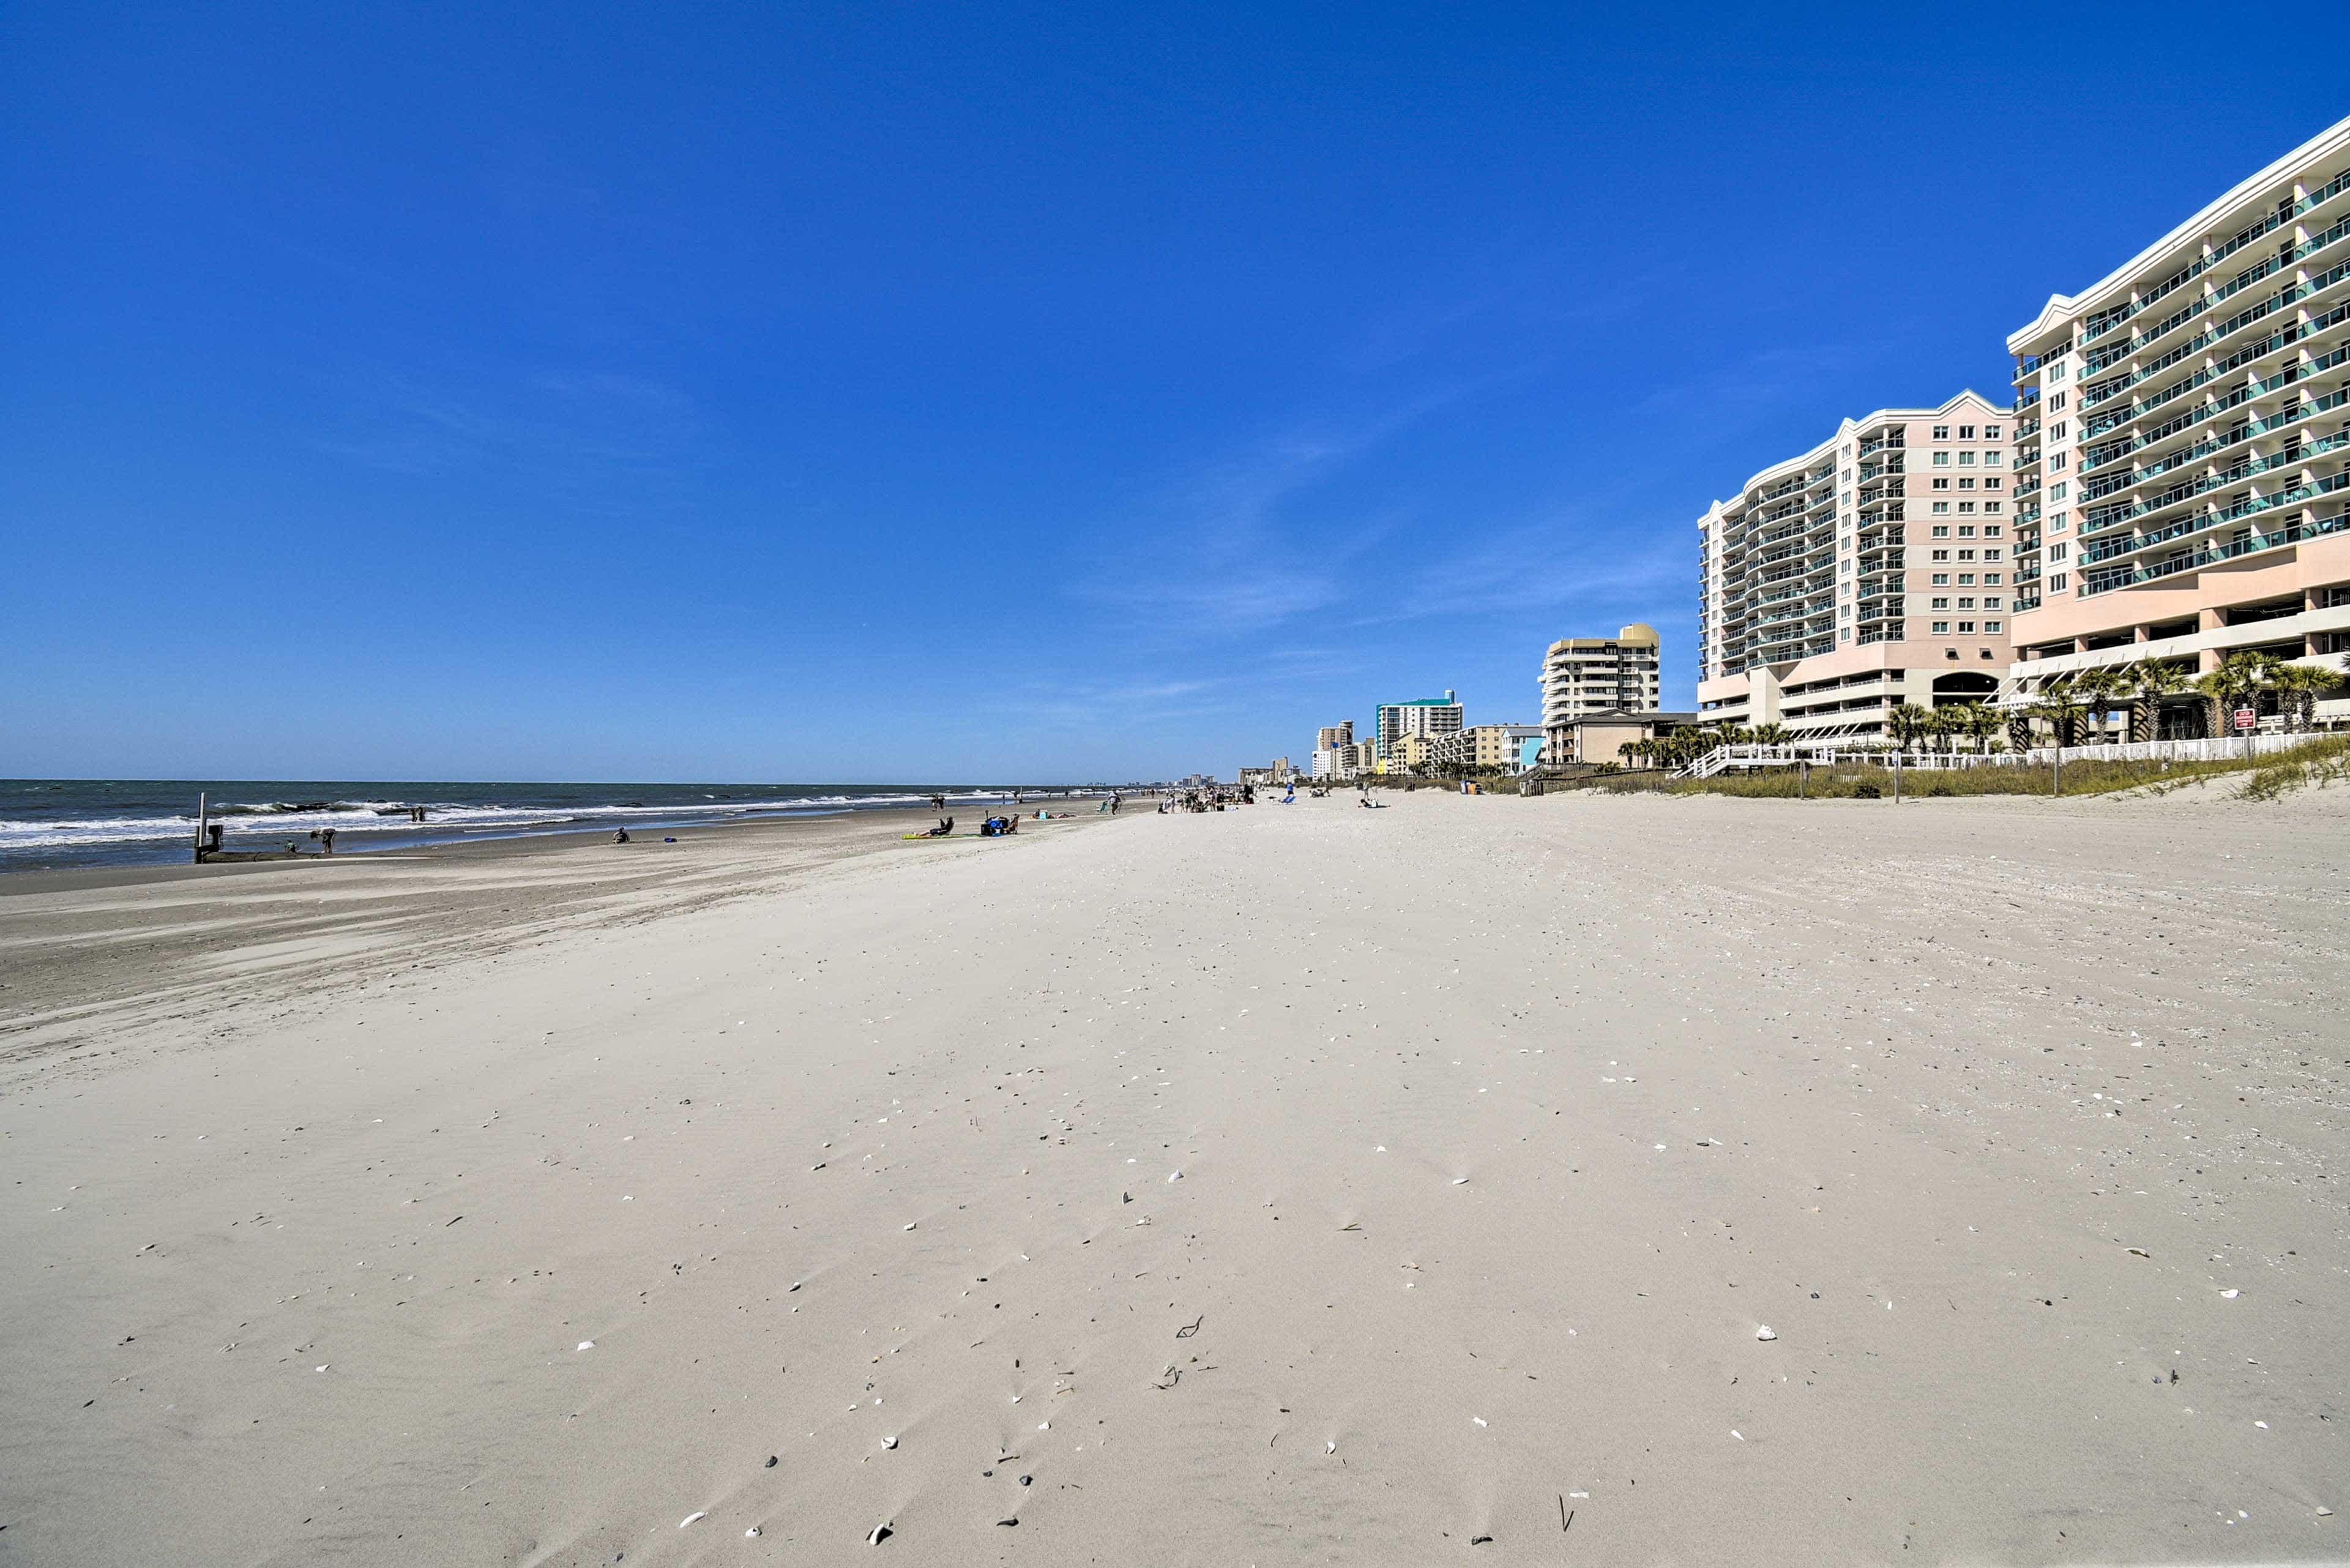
[239,924]
[129,831]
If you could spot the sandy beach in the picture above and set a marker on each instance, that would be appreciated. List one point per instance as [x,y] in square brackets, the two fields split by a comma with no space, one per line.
[1562,1180]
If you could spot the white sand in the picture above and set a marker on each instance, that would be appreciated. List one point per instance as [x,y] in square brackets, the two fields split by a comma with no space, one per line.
[1502,1126]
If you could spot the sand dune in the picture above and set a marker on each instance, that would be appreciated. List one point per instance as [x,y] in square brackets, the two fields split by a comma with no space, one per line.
[1295,1184]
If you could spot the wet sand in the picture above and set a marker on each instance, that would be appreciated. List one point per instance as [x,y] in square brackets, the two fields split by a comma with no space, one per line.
[1294,1184]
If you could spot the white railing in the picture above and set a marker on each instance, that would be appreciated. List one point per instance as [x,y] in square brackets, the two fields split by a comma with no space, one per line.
[2222,748]
[2227,748]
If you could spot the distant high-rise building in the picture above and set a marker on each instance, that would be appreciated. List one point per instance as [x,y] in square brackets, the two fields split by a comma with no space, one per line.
[1330,737]
[1430,716]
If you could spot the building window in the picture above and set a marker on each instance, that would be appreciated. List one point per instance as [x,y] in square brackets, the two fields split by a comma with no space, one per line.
[1966,555]
[1941,628]
[2055,522]
[1966,433]
[2058,551]
[1992,507]
[2056,371]
[1990,433]
[1991,579]
[1990,628]
[2056,490]
[1967,482]
[1942,509]
[2056,431]
[1991,482]
[1941,579]
[2056,462]
[1941,531]
[1941,432]
[1966,579]
[1941,601]
[1966,509]
[1942,460]
[1941,554]
[1942,485]
[1966,601]
[1991,555]
[1966,629]
[1966,459]
[2056,583]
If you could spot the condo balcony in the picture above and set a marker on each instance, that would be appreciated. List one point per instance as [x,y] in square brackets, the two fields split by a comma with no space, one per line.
[2102,394]
[2260,349]
[2106,320]
[2097,519]
[2267,266]
[2095,458]
[2107,549]
[2220,441]
[2108,579]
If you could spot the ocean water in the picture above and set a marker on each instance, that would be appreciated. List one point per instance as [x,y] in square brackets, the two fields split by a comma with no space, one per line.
[51,823]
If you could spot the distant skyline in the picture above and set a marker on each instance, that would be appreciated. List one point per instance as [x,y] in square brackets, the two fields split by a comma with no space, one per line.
[847,394]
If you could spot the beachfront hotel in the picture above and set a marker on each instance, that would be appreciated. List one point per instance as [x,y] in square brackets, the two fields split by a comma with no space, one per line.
[1584,675]
[2182,434]
[1872,570]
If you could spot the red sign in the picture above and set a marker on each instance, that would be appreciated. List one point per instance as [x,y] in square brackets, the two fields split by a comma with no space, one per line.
[2246,719]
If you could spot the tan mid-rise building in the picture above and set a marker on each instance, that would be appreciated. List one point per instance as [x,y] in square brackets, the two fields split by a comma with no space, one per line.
[1583,675]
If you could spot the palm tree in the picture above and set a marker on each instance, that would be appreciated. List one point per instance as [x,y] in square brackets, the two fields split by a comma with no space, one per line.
[2297,686]
[1905,723]
[1983,723]
[2150,680]
[1943,726]
[1769,734]
[2098,686]
[2058,707]
[2237,683]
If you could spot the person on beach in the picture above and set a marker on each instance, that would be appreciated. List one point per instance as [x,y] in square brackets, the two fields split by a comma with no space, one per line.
[620,835]
[327,839]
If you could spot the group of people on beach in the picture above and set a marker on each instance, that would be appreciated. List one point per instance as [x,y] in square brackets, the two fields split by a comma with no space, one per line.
[1214,798]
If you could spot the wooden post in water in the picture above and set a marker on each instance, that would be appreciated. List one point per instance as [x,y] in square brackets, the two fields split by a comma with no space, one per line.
[200,821]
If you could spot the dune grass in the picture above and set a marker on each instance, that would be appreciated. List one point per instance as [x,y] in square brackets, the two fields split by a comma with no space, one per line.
[2313,766]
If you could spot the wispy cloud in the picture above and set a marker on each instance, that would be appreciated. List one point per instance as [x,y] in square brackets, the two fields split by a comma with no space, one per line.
[578,429]
[1220,556]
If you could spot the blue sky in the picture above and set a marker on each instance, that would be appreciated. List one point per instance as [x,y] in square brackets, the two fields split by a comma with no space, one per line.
[897,392]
